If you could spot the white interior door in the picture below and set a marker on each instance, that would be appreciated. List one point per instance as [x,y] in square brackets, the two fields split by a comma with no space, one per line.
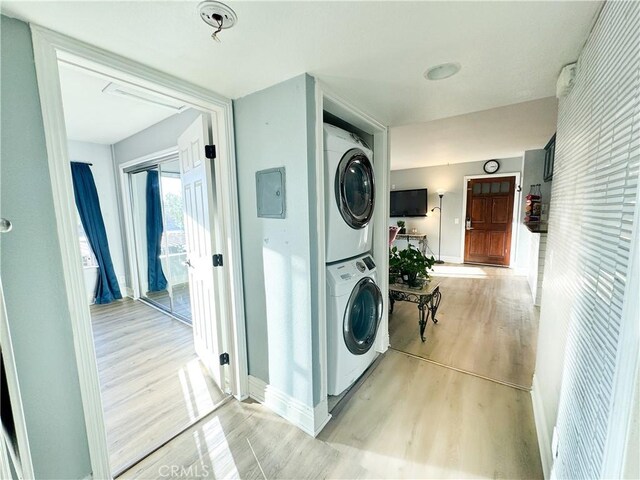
[201,222]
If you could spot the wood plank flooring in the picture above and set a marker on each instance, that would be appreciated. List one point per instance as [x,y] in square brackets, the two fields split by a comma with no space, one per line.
[413,419]
[487,324]
[153,384]
[409,419]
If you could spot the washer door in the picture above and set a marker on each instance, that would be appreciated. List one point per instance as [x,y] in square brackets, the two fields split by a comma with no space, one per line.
[355,189]
[362,316]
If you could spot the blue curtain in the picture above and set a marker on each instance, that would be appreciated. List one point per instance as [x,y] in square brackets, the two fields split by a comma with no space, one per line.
[157,280]
[86,195]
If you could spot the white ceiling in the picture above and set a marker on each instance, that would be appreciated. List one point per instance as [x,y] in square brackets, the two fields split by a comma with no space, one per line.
[372,53]
[97,117]
[496,133]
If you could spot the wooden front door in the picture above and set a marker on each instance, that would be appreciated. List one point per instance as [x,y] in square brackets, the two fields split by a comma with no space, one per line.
[489,219]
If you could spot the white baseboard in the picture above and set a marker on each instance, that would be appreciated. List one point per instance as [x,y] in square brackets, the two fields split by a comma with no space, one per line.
[257,388]
[309,420]
[541,429]
[448,259]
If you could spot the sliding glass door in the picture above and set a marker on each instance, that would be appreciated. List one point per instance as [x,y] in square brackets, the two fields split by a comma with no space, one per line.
[158,221]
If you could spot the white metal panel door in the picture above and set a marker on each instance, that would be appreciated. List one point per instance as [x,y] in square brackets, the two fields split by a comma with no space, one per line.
[201,222]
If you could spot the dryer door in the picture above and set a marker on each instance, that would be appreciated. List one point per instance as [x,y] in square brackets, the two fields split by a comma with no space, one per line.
[362,316]
[355,189]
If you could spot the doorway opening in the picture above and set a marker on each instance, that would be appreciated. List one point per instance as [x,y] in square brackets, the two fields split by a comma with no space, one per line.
[121,340]
[158,374]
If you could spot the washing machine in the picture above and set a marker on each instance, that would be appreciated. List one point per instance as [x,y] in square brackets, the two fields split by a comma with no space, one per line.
[354,311]
[349,194]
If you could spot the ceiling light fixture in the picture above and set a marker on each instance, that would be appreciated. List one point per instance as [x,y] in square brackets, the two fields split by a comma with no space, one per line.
[440,72]
[218,15]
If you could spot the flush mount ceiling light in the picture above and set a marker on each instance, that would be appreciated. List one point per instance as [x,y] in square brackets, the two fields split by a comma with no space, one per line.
[440,72]
[218,15]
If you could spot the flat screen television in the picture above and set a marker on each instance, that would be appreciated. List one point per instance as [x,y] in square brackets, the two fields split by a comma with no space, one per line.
[409,203]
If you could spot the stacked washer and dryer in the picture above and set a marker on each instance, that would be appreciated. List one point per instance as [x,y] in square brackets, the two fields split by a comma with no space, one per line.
[354,301]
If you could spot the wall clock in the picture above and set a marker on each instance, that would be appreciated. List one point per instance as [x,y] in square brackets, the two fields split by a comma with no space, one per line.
[491,166]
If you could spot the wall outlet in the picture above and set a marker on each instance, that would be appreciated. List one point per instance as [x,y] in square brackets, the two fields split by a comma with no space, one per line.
[456,221]
[393,187]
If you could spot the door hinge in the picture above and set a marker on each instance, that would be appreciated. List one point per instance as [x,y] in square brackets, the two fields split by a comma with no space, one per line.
[210,151]
[217,260]
[224,359]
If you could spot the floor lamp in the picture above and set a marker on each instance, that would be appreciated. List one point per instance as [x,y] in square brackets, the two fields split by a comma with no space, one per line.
[440,194]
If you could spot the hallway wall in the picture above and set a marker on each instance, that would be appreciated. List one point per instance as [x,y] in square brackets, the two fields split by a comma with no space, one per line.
[277,254]
[591,233]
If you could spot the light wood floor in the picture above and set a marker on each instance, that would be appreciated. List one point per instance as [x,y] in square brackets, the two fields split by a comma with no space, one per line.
[409,419]
[152,382]
[487,324]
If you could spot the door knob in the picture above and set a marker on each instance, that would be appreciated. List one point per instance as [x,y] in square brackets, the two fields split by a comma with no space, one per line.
[5,225]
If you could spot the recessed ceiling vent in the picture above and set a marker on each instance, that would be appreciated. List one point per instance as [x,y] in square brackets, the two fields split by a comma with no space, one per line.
[218,15]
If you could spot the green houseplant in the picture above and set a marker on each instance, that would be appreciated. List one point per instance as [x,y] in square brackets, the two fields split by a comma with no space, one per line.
[410,264]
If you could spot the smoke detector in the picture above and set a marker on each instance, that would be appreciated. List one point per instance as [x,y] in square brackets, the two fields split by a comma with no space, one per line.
[218,15]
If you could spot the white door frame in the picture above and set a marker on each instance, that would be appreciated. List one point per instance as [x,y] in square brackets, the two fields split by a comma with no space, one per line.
[50,47]
[327,100]
[516,212]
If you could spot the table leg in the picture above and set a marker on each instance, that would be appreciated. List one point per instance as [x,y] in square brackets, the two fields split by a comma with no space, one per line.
[434,303]
[423,317]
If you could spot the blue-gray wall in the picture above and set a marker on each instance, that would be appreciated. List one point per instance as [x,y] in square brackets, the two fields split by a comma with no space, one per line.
[31,269]
[274,128]
[155,138]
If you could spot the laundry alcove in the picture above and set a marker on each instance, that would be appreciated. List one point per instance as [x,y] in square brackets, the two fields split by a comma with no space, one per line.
[284,258]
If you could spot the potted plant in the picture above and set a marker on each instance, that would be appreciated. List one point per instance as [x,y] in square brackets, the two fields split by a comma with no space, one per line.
[401,224]
[411,265]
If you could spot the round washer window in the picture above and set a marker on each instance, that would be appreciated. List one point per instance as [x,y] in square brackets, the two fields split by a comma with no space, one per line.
[362,316]
[355,189]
